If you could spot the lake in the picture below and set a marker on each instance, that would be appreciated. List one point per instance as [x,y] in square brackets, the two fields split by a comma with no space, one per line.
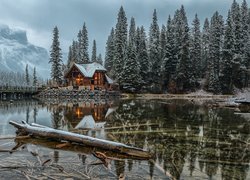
[189,139]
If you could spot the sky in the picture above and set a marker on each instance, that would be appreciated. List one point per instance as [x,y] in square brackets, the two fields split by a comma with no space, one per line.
[39,17]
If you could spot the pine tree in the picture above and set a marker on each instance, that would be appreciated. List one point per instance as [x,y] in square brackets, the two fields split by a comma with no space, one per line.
[227,58]
[195,48]
[170,59]
[27,76]
[154,54]
[205,48]
[74,50]
[143,60]
[245,37]
[132,30]
[162,45]
[109,55]
[214,53]
[120,45]
[83,45]
[131,67]
[70,58]
[99,59]
[93,57]
[56,58]
[131,70]
[34,77]
[184,78]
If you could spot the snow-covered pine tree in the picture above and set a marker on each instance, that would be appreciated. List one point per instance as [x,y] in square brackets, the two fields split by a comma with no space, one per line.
[74,50]
[109,55]
[155,55]
[227,58]
[142,58]
[27,76]
[170,59]
[120,45]
[93,57]
[162,45]
[205,48]
[238,66]
[184,78]
[131,76]
[245,38]
[215,37]
[70,54]
[99,59]
[56,58]
[195,48]
[132,30]
[83,44]
[34,77]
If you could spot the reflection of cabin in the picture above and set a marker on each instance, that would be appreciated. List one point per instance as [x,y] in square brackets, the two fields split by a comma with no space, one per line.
[76,113]
[88,76]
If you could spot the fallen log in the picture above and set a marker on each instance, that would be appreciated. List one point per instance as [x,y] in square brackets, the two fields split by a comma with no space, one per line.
[46,132]
[77,148]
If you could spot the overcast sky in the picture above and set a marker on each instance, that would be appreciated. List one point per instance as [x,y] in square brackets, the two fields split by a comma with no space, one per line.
[38,17]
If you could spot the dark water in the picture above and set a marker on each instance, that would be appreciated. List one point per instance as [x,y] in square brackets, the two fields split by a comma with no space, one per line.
[188,140]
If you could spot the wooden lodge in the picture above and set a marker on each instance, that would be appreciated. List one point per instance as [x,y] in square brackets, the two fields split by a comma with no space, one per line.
[90,76]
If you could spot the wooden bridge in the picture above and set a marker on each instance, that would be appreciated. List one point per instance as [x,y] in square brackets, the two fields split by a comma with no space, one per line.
[17,92]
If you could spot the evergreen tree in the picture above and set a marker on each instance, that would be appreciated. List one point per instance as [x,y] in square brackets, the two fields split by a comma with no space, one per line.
[143,60]
[120,45]
[93,57]
[132,30]
[205,48]
[154,54]
[245,38]
[83,45]
[27,75]
[227,57]
[162,45]
[99,59]
[195,48]
[184,78]
[56,58]
[170,59]
[74,50]
[109,55]
[70,57]
[131,70]
[34,77]
[215,37]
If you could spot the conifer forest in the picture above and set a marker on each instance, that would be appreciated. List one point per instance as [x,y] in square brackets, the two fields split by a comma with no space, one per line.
[181,56]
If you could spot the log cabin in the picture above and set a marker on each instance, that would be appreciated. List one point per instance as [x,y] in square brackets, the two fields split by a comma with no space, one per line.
[90,76]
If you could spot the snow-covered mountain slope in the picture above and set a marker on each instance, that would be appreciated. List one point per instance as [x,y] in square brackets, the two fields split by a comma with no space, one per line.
[16,52]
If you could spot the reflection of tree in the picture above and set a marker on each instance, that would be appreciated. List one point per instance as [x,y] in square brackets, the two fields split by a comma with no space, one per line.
[119,167]
[185,132]
[57,117]
[27,114]
[34,114]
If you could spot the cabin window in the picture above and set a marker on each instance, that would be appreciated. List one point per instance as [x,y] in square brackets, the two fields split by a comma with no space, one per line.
[98,78]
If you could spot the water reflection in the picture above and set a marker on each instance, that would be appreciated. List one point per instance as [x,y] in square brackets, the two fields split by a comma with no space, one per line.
[189,140]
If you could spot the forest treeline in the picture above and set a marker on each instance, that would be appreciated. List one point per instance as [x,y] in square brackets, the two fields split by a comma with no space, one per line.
[176,58]
[179,57]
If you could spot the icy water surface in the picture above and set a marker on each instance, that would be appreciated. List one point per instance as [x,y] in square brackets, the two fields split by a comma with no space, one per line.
[188,140]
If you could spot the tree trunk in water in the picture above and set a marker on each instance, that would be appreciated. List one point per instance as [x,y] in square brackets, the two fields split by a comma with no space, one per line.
[46,132]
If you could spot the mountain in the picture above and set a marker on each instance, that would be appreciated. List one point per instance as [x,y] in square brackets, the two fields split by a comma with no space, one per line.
[16,52]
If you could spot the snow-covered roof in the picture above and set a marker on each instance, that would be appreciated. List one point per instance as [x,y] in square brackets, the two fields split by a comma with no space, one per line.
[88,70]
[110,81]
[88,122]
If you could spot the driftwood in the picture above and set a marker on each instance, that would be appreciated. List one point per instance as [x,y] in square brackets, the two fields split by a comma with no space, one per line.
[36,130]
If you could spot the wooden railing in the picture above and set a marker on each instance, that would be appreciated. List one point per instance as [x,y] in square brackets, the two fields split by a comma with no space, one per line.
[17,89]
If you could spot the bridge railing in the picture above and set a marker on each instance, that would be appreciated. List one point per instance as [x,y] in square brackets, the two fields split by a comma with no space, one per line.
[18,89]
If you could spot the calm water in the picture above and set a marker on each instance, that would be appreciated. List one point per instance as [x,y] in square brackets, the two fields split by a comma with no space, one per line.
[189,140]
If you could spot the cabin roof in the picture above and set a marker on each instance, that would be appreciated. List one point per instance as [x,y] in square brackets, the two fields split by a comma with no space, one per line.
[89,69]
